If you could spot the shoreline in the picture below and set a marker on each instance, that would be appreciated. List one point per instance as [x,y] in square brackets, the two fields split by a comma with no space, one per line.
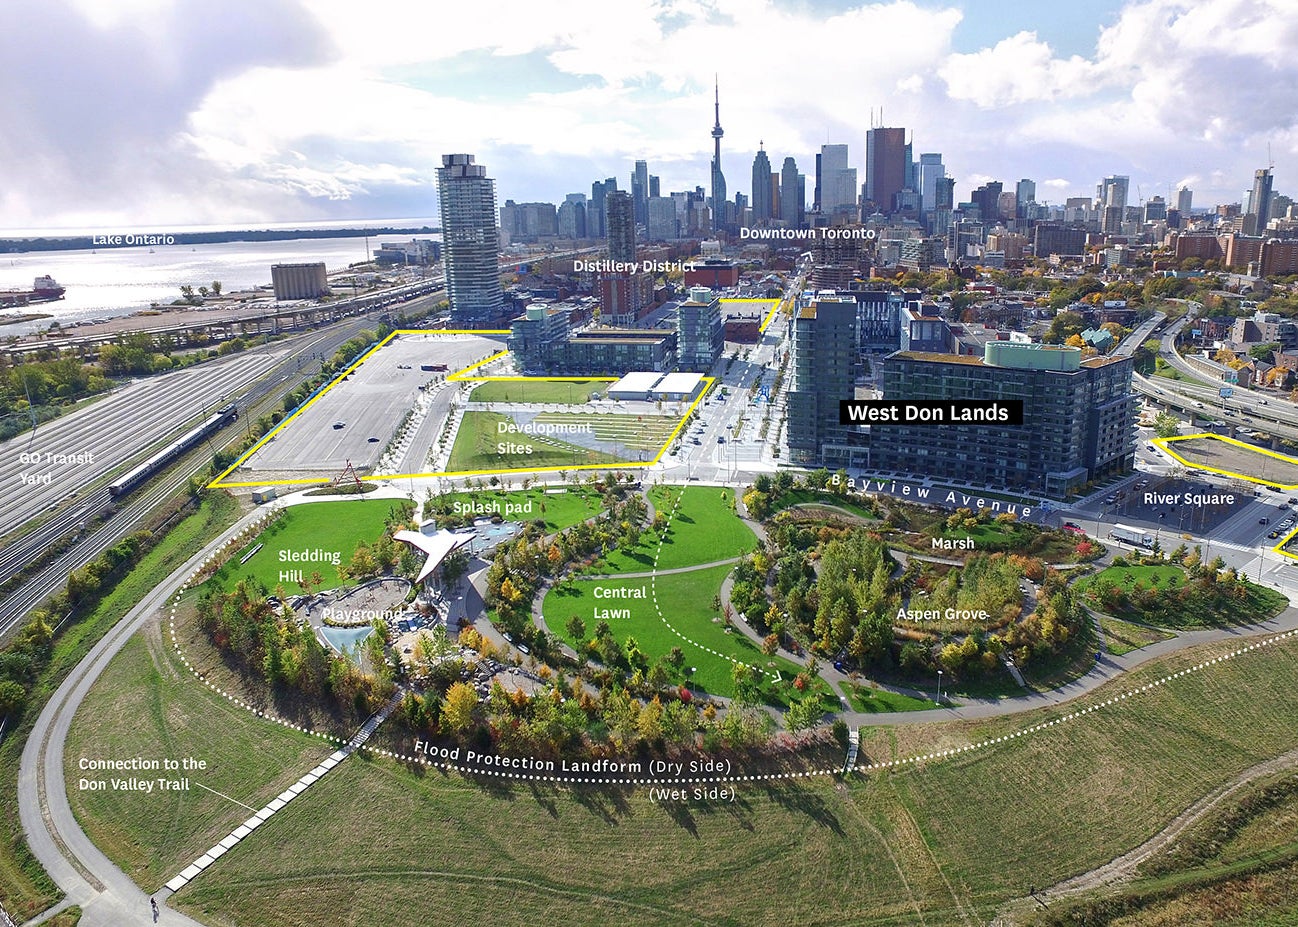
[38,244]
[30,317]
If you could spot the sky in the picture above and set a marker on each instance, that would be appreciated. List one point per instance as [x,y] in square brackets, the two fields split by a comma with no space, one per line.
[138,114]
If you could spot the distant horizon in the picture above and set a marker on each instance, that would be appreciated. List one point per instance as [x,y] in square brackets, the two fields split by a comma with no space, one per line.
[284,226]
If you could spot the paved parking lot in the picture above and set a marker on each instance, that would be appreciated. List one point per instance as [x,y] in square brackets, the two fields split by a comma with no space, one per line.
[355,418]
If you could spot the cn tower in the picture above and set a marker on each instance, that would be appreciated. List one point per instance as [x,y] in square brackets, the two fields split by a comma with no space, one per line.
[718,179]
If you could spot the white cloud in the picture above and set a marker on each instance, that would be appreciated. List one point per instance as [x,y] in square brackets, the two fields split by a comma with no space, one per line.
[1174,87]
[1019,69]
[161,110]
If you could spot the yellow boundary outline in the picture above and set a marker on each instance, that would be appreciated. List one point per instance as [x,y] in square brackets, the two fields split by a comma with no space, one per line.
[458,376]
[1163,443]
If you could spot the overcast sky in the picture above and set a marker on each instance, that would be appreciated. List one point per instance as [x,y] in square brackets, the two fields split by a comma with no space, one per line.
[122,114]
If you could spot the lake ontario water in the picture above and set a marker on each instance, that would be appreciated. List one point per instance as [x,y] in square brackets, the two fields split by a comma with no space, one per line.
[114,281]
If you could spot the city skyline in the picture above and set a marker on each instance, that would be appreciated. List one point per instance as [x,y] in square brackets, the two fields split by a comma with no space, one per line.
[293,111]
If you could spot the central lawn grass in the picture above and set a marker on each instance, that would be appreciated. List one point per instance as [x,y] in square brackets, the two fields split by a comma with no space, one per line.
[1123,636]
[333,527]
[559,510]
[477,448]
[704,529]
[967,832]
[147,704]
[686,601]
[574,392]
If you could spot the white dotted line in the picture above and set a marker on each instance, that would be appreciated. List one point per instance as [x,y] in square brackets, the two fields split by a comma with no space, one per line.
[653,589]
[764,777]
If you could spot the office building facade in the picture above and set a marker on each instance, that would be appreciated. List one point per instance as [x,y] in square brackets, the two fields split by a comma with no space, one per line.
[793,195]
[1259,213]
[762,206]
[621,226]
[885,168]
[930,169]
[640,192]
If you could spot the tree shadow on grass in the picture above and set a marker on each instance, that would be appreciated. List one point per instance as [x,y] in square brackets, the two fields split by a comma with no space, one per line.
[639,556]
[805,802]
[544,798]
[606,802]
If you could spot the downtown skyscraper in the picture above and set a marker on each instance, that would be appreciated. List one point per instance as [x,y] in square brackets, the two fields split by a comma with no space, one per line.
[835,181]
[763,206]
[470,241]
[640,192]
[1259,202]
[885,167]
[793,194]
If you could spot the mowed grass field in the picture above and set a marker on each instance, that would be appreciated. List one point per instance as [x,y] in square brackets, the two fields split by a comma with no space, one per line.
[946,842]
[569,392]
[24,887]
[704,529]
[1210,451]
[477,448]
[1243,855]
[559,510]
[686,601]
[328,526]
[148,705]
[1124,636]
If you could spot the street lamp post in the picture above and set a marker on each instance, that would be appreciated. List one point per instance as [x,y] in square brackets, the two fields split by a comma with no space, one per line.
[939,687]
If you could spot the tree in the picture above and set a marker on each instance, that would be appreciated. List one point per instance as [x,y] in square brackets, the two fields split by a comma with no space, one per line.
[1065,323]
[803,714]
[459,707]
[576,628]
[12,697]
[362,563]
[1167,425]
[216,287]
[745,680]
